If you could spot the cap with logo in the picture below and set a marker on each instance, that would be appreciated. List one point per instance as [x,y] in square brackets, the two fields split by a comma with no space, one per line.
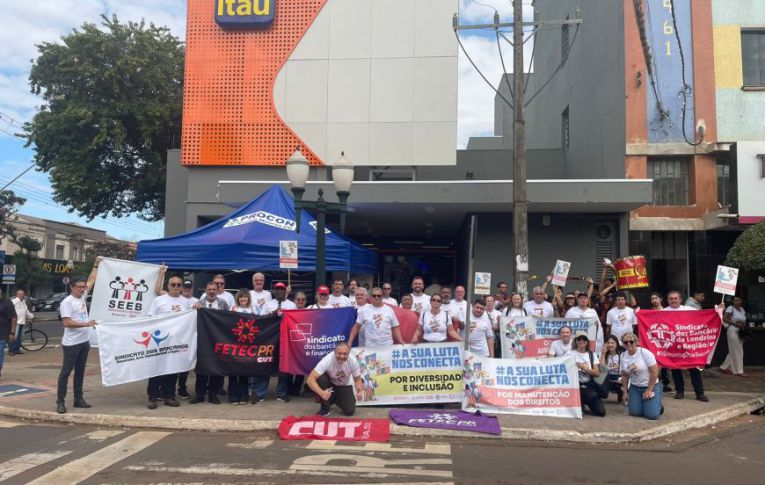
[187,284]
[280,285]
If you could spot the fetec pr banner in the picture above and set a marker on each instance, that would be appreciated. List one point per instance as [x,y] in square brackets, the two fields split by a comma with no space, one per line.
[135,350]
[236,344]
[410,374]
[123,290]
[534,387]
[308,335]
[530,337]
[679,339]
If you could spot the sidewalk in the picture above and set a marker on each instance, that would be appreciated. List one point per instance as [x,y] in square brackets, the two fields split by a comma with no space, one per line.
[27,391]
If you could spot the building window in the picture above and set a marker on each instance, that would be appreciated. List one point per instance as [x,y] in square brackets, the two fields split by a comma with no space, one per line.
[565,133]
[762,165]
[753,57]
[59,251]
[564,42]
[723,184]
[670,180]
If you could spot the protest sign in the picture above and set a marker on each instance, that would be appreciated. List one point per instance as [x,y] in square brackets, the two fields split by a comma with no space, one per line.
[631,272]
[726,280]
[410,374]
[560,275]
[135,350]
[237,344]
[443,419]
[318,428]
[123,290]
[309,335]
[534,387]
[679,339]
[482,284]
[529,337]
[288,254]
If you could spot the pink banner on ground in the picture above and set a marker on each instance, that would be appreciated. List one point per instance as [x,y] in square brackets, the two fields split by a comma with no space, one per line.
[682,339]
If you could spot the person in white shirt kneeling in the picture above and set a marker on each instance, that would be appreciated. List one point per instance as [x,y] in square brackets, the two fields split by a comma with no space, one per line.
[333,380]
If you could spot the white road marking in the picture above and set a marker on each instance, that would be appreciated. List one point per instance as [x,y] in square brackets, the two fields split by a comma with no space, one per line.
[13,467]
[103,434]
[372,464]
[11,393]
[217,469]
[255,445]
[87,466]
[430,448]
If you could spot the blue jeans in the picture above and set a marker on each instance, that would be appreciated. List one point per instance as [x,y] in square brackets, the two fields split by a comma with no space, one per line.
[646,408]
[2,352]
[259,386]
[16,346]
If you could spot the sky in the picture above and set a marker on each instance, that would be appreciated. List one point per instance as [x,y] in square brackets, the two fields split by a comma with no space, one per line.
[28,23]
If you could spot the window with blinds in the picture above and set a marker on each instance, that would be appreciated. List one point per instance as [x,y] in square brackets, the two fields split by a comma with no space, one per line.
[670,180]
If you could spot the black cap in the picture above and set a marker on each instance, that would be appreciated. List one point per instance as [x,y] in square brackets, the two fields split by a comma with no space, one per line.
[187,284]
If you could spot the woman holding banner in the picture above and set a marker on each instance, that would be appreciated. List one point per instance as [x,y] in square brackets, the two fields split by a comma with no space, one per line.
[588,368]
[243,302]
[640,373]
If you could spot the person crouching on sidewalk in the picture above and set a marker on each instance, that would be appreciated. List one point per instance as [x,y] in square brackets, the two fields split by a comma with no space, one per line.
[333,380]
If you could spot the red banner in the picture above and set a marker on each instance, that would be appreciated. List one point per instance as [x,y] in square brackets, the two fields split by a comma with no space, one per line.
[631,272]
[318,428]
[681,339]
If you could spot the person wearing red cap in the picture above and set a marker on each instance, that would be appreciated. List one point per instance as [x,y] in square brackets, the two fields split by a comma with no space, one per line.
[280,301]
[322,298]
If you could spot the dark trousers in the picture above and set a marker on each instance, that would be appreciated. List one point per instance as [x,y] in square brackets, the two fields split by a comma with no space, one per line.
[207,385]
[296,384]
[696,381]
[343,396]
[162,386]
[664,376]
[75,358]
[238,388]
[590,398]
[15,346]
[182,377]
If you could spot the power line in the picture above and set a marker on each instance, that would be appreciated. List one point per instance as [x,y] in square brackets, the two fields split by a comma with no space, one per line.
[557,69]
[459,41]
[12,121]
[686,88]
[17,177]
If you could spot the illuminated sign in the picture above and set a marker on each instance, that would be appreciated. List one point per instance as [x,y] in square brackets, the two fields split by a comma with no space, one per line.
[244,14]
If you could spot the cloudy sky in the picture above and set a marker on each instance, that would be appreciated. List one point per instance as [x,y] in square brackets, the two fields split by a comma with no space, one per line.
[28,23]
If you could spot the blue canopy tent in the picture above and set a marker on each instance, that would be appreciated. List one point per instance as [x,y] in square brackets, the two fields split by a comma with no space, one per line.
[249,239]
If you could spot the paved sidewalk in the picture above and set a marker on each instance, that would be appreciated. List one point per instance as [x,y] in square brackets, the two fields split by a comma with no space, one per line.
[27,390]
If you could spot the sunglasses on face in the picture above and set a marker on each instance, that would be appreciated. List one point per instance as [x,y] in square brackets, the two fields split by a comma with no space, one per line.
[299,299]
[219,283]
[377,295]
[435,300]
[628,342]
[174,285]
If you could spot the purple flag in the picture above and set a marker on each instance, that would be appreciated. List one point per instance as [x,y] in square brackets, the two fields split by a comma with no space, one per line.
[440,419]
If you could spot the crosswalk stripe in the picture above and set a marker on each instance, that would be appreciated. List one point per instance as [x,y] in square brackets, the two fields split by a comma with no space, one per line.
[218,469]
[429,449]
[87,466]
[20,464]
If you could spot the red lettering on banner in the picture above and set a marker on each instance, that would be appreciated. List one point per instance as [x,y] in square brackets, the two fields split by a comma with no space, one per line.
[264,353]
[529,398]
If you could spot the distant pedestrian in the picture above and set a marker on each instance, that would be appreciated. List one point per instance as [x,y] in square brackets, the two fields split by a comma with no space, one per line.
[23,314]
[7,326]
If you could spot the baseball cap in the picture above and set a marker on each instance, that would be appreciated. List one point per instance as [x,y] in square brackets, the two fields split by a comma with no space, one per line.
[280,285]
[323,290]
[187,284]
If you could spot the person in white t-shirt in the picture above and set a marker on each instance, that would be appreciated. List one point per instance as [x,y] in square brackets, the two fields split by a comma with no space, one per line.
[76,341]
[494,316]
[301,300]
[333,379]
[561,347]
[187,291]
[674,299]
[220,285]
[435,324]
[539,307]
[360,298]
[387,298]
[322,299]
[640,373]
[458,308]
[515,306]
[588,368]
[583,310]
[22,313]
[353,284]
[480,337]
[258,295]
[337,299]
[621,318]
[243,302]
[734,318]
[378,322]
[420,301]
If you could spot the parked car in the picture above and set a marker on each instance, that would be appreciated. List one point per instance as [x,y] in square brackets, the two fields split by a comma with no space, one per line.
[51,302]
[32,303]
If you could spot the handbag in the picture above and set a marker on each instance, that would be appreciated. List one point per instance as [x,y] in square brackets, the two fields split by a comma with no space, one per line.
[600,383]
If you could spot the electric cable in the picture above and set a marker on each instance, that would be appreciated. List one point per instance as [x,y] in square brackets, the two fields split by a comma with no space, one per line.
[686,88]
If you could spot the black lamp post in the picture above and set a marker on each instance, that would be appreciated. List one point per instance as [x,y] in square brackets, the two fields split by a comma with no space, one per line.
[342,175]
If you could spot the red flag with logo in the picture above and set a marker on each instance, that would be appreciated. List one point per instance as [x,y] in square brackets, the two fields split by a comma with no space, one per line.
[318,428]
[679,339]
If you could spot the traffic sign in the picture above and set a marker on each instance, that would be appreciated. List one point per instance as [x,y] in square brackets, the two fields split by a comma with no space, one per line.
[9,273]
[65,280]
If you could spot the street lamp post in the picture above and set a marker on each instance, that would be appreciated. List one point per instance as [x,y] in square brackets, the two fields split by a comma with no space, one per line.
[342,176]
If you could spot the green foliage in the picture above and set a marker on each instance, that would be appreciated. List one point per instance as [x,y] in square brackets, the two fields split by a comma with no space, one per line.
[29,270]
[107,249]
[748,252]
[112,108]
[9,206]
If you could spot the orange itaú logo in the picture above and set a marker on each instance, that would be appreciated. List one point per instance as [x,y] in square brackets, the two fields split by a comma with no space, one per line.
[245,13]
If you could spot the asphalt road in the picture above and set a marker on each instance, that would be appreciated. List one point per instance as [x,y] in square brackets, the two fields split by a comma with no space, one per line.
[29,453]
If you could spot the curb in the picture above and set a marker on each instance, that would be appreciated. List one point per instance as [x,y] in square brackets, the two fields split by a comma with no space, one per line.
[511,434]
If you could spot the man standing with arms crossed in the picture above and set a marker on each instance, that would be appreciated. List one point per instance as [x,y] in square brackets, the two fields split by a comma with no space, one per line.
[76,340]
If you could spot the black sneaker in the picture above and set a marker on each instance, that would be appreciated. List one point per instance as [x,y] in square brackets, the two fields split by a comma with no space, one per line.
[197,400]
[283,399]
[60,408]
[256,400]
[183,394]
[702,397]
[666,388]
[323,411]
[82,403]
[214,400]
[152,404]
[679,395]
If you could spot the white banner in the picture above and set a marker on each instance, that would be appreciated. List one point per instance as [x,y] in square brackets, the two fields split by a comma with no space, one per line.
[135,350]
[124,290]
[560,275]
[726,280]
[482,284]
[530,337]
[534,387]
[288,254]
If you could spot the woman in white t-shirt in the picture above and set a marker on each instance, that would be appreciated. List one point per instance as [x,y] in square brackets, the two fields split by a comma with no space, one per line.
[734,319]
[243,302]
[515,309]
[588,368]
[435,324]
[640,373]
[610,358]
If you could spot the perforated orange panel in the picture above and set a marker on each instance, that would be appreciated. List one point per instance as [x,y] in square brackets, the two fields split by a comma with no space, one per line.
[229,116]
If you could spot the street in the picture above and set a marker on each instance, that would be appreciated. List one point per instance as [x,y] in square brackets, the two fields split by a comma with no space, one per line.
[731,454]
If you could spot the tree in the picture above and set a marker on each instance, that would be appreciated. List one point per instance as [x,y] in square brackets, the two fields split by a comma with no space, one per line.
[9,207]
[748,252]
[109,249]
[29,270]
[112,109]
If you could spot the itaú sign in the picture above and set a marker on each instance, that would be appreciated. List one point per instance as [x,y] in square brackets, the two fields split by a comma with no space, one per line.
[245,14]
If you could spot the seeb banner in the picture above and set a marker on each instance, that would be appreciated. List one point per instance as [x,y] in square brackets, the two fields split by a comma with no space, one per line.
[123,291]
[410,374]
[309,335]
[534,387]
[135,350]
[236,344]
[681,339]
[530,337]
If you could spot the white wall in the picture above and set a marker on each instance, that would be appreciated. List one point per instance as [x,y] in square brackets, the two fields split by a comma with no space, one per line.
[751,184]
[376,79]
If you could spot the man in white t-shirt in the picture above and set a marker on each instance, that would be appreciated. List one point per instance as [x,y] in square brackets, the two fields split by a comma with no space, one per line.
[76,340]
[337,299]
[481,336]
[583,310]
[220,286]
[387,289]
[458,308]
[420,301]
[538,307]
[333,378]
[322,299]
[258,296]
[620,319]
[378,322]
[675,299]
[22,313]
[187,291]
[360,298]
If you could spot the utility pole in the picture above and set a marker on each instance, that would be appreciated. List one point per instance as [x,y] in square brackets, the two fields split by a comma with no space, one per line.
[520,197]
